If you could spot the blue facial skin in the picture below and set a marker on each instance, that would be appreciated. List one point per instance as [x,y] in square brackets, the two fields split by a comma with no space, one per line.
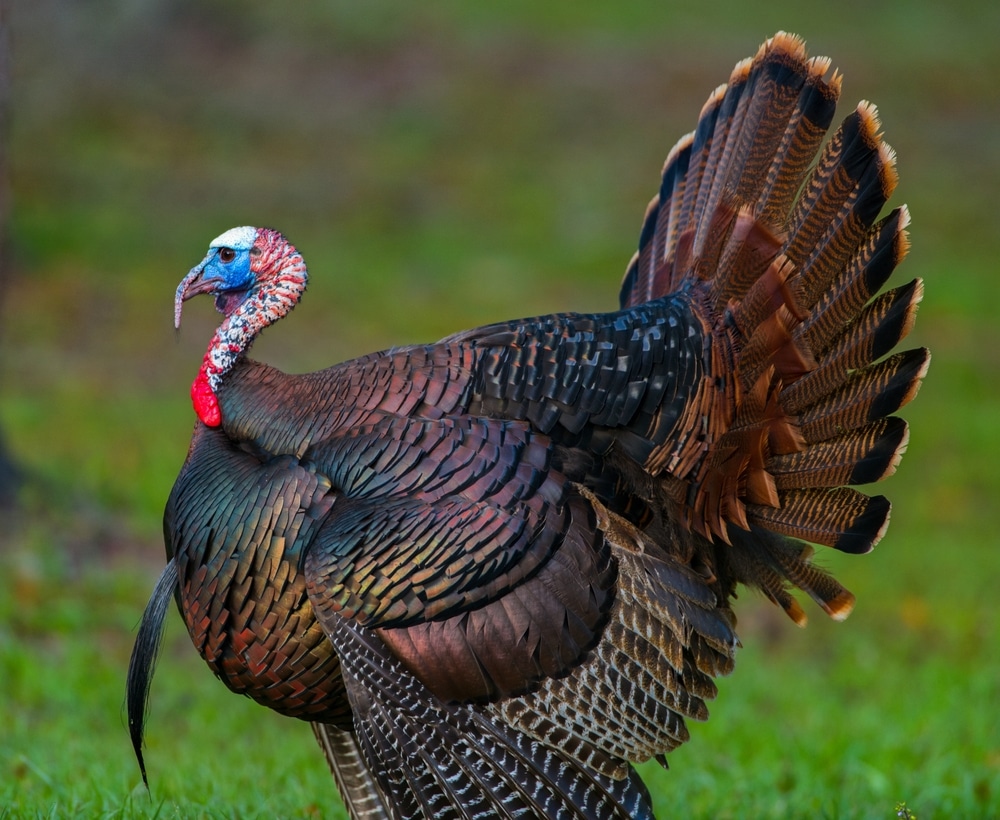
[228,269]
[225,272]
[230,266]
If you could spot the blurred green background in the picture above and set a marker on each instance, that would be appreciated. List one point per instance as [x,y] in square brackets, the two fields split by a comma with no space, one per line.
[441,167]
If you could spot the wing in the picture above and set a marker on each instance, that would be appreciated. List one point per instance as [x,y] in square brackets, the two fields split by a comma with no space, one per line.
[457,541]
[456,568]
[416,707]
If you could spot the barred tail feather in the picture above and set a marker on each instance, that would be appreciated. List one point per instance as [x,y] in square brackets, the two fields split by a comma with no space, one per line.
[754,143]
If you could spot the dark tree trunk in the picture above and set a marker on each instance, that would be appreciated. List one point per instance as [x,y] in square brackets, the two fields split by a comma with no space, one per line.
[9,474]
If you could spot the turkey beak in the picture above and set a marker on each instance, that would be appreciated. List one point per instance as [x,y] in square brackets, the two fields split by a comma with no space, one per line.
[192,285]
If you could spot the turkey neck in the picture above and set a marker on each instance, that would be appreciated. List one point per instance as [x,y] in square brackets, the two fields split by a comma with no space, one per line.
[273,296]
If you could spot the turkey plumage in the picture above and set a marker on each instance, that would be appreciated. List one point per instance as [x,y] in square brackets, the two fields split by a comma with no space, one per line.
[496,571]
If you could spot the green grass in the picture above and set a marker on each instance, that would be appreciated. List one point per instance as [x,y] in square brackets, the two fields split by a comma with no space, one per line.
[442,169]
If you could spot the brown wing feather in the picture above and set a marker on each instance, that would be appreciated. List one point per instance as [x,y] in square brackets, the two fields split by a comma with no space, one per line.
[537,629]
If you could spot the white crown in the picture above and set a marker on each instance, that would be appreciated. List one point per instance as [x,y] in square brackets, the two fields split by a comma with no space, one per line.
[237,238]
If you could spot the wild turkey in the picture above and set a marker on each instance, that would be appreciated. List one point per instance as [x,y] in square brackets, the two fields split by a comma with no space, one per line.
[496,571]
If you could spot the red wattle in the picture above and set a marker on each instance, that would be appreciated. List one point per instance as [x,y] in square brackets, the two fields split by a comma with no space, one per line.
[206,405]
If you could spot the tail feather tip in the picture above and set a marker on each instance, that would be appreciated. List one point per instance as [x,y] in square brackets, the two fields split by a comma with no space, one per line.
[867,529]
[840,607]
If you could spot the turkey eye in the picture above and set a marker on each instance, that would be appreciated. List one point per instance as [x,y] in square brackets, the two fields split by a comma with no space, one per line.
[227,254]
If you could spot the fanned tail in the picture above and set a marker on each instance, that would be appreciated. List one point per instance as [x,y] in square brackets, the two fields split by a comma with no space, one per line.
[783,256]
[755,142]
